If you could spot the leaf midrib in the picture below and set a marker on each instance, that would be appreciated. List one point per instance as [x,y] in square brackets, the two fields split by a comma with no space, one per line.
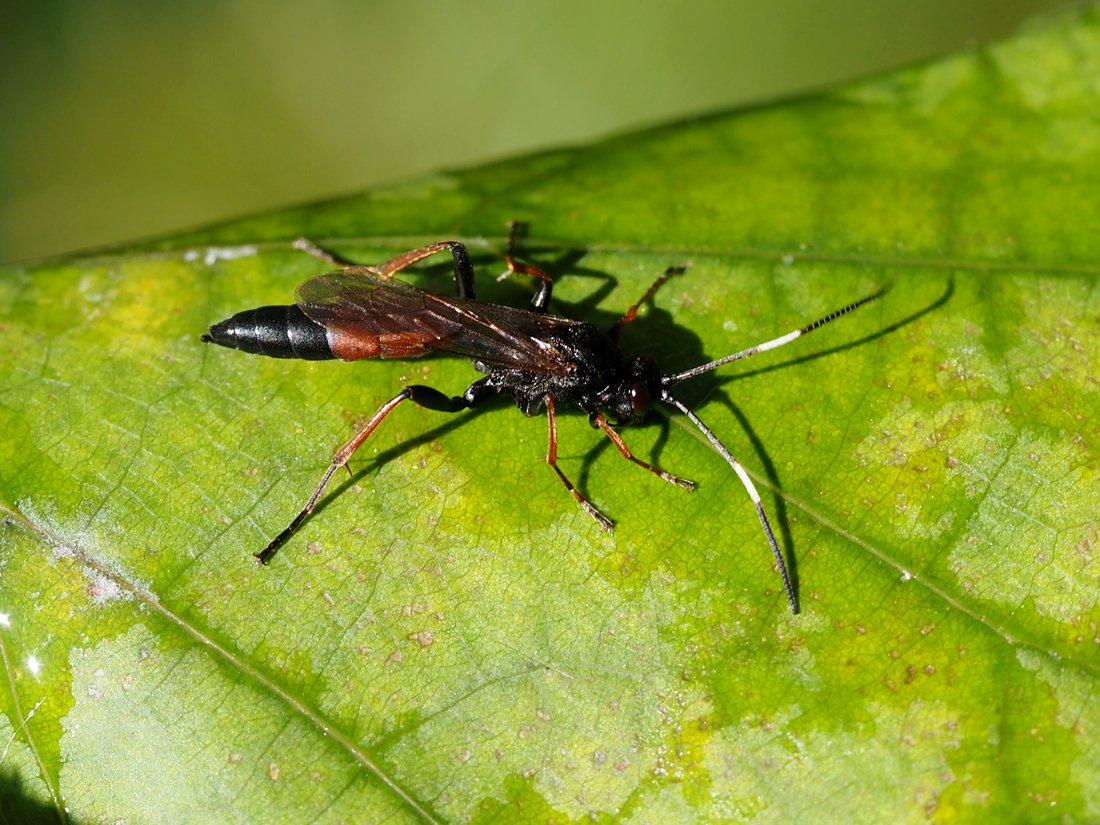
[76,555]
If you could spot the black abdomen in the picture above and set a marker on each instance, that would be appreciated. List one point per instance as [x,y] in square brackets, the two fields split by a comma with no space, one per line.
[279,332]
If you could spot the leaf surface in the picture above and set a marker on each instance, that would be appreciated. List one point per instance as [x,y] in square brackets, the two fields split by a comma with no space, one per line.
[449,637]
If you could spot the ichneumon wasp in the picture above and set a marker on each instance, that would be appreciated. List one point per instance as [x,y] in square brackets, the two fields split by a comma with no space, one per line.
[543,360]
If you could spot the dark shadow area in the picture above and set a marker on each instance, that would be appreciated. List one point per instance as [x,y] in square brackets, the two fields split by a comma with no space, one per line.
[704,387]
[655,324]
[16,808]
[437,275]
[779,504]
[517,290]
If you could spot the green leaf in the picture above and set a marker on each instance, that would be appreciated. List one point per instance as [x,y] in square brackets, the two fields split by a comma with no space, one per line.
[449,637]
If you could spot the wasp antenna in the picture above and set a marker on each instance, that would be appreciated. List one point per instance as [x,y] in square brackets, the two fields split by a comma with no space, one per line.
[750,488]
[774,343]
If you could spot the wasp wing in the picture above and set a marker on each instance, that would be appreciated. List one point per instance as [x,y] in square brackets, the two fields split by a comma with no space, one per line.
[368,316]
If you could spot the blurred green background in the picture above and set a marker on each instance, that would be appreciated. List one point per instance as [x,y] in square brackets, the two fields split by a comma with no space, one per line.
[125,119]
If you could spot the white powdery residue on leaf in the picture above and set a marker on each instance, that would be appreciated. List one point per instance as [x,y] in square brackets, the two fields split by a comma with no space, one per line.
[1074,692]
[107,581]
[778,768]
[1029,538]
[213,254]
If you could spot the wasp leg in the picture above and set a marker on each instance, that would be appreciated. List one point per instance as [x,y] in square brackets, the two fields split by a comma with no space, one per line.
[541,301]
[464,269]
[632,313]
[552,460]
[310,248]
[422,396]
[598,419]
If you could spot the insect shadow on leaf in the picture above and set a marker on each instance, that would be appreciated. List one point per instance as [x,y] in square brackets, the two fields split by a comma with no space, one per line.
[542,360]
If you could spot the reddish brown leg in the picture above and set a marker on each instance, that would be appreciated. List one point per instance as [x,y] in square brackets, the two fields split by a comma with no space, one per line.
[599,420]
[632,313]
[407,259]
[464,270]
[309,247]
[542,296]
[552,460]
[339,460]
[427,397]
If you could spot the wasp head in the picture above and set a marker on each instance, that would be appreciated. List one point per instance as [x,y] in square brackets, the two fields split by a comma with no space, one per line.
[636,391]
